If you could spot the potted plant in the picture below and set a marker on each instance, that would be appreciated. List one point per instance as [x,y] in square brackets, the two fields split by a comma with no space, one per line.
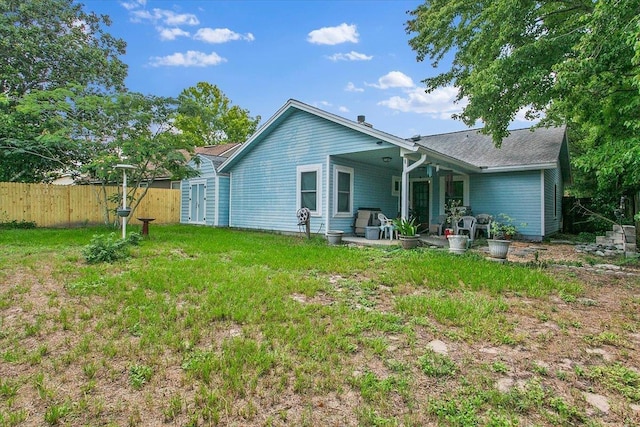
[458,243]
[503,230]
[407,231]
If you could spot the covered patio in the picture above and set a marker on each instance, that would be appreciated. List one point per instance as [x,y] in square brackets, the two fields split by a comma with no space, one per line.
[426,240]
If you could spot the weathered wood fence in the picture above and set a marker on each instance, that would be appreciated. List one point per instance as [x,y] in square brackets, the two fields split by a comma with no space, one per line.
[77,205]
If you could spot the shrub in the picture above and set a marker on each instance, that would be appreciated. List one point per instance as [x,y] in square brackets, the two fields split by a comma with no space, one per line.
[109,248]
[8,225]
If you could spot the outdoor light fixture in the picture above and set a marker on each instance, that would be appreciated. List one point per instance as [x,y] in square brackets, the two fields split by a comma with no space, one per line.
[386,159]
[123,212]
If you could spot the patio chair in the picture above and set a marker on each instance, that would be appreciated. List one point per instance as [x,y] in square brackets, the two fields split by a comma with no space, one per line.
[467,224]
[483,222]
[387,229]
[438,224]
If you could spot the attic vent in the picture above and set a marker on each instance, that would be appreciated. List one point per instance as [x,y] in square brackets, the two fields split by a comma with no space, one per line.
[416,138]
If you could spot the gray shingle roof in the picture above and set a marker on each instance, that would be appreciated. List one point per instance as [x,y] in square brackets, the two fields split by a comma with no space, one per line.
[521,148]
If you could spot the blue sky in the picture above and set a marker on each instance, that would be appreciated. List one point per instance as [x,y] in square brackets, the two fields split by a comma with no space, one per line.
[347,57]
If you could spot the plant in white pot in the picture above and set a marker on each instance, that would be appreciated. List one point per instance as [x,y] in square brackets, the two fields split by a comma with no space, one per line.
[407,231]
[503,230]
[458,243]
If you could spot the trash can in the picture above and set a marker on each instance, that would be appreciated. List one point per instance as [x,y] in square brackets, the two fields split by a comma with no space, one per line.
[372,233]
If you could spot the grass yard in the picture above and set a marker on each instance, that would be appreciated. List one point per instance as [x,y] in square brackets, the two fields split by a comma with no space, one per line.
[205,326]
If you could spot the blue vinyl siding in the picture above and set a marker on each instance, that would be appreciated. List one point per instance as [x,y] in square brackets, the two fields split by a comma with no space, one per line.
[223,201]
[263,182]
[516,194]
[553,220]
[184,201]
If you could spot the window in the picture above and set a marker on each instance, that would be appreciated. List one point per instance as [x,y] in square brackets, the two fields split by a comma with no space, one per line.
[343,191]
[454,188]
[454,191]
[308,188]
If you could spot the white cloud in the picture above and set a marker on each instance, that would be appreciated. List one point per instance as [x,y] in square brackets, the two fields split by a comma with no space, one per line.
[167,17]
[393,79]
[352,88]
[343,109]
[220,35]
[189,59]
[171,33]
[439,104]
[334,35]
[130,5]
[351,56]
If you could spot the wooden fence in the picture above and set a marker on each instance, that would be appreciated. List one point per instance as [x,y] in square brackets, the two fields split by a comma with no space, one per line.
[77,205]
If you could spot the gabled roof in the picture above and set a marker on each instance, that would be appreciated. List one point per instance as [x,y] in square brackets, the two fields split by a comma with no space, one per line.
[523,149]
[221,150]
[215,160]
[292,105]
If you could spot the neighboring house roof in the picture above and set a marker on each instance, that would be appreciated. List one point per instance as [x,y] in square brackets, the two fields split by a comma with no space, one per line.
[538,148]
[220,150]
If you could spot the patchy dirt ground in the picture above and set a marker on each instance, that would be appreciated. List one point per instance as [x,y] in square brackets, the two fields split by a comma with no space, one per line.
[563,337]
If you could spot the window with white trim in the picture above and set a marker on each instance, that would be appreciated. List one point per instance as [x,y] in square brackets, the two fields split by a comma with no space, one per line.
[455,188]
[342,191]
[308,188]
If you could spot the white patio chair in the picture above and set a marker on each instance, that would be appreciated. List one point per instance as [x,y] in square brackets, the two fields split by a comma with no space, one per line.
[467,224]
[387,229]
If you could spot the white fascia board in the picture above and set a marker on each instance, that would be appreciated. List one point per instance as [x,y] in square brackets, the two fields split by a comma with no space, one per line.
[518,168]
[434,157]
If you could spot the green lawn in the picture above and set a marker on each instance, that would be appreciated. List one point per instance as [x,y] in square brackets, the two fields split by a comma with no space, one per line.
[205,326]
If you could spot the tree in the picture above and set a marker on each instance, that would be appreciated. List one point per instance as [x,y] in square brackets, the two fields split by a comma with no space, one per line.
[37,136]
[572,61]
[49,49]
[45,44]
[207,117]
[88,134]
[138,130]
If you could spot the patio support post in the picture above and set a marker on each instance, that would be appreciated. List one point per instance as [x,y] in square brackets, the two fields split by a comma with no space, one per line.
[406,169]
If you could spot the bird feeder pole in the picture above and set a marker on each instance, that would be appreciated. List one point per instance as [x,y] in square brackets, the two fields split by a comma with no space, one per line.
[124,211]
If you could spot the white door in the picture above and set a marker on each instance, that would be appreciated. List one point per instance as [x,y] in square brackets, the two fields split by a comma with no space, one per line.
[197,202]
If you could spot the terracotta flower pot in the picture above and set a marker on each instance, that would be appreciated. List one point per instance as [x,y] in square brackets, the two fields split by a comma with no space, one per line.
[409,242]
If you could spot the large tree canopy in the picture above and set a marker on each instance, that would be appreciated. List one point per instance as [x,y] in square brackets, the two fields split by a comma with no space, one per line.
[50,50]
[45,44]
[572,61]
[208,118]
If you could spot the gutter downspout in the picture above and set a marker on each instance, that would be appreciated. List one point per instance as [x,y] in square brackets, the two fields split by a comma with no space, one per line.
[406,169]
[543,224]
[327,180]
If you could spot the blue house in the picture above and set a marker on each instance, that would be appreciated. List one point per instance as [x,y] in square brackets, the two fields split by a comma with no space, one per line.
[306,157]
